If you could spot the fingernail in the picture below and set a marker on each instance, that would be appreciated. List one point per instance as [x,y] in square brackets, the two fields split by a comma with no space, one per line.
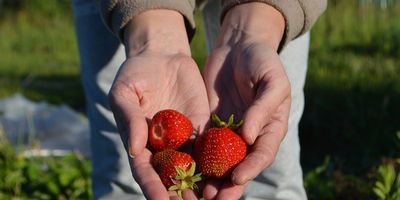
[130,151]
[237,180]
[249,138]
[131,154]
[252,134]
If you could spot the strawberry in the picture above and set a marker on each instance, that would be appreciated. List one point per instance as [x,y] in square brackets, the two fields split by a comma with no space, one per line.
[176,170]
[169,129]
[219,149]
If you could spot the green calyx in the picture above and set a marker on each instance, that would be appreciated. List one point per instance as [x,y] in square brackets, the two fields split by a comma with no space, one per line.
[185,180]
[221,124]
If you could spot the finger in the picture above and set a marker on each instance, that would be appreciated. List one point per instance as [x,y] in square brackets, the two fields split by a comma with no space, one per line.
[200,119]
[211,188]
[147,177]
[130,119]
[223,189]
[271,94]
[264,150]
[230,191]
[189,194]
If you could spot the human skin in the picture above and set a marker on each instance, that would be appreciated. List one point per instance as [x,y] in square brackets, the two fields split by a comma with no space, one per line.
[245,77]
[158,73]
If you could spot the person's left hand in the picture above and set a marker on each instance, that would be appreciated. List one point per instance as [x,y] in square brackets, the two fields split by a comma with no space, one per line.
[245,77]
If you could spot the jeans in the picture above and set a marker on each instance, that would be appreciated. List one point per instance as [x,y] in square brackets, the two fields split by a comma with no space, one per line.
[101,54]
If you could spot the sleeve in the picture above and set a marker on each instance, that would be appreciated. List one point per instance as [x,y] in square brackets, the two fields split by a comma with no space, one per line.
[300,15]
[117,13]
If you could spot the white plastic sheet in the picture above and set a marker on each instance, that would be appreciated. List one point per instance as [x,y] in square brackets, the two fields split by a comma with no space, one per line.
[57,129]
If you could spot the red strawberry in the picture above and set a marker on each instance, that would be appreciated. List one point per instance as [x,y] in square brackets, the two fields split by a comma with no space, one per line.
[169,129]
[219,149]
[176,170]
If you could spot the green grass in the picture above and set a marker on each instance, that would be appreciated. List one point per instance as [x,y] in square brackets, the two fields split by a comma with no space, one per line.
[38,49]
[198,45]
[352,95]
[352,98]
[353,87]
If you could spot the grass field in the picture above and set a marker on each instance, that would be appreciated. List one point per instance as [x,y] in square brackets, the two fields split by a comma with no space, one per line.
[353,85]
[352,89]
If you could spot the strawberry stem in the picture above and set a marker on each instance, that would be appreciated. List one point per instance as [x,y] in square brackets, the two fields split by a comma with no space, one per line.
[230,124]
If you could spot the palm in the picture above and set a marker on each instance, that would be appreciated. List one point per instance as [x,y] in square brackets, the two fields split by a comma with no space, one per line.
[163,82]
[237,76]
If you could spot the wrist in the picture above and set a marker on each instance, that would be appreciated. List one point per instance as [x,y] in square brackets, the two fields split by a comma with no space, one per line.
[156,30]
[256,20]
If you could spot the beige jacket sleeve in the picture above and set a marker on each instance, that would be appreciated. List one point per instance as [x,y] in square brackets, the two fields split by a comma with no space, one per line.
[299,15]
[117,13]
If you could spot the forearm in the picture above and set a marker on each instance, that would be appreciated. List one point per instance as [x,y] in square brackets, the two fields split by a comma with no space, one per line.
[255,20]
[158,30]
[299,15]
[117,13]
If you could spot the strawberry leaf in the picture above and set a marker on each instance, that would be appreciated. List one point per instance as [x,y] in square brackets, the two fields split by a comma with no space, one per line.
[181,173]
[230,120]
[192,169]
[185,180]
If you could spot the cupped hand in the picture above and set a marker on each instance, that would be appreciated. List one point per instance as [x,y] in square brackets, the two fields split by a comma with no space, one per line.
[158,73]
[245,77]
[254,88]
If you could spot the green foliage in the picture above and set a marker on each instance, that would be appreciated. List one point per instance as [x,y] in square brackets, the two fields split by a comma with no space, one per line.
[66,177]
[326,182]
[197,44]
[317,184]
[387,185]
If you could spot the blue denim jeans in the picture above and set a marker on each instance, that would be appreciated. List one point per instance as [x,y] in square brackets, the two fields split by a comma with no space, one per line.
[101,54]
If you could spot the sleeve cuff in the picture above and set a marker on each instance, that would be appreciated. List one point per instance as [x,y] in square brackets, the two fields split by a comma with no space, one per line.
[299,15]
[117,13]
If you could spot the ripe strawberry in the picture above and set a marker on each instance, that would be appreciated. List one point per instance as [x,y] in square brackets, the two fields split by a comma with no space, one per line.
[219,149]
[176,170]
[169,129]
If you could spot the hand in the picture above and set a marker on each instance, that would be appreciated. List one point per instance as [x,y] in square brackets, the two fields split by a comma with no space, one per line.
[158,73]
[245,77]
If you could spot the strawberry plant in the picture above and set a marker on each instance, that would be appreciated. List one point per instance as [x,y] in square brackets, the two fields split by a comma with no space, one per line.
[66,177]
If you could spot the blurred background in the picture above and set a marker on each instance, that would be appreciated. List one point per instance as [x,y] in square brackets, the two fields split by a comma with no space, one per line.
[349,130]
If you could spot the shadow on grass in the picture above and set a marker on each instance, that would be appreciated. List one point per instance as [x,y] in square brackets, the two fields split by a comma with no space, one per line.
[355,127]
[386,45]
[55,89]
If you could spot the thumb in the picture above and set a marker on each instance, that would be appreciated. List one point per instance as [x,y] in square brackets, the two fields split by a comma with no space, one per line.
[131,122]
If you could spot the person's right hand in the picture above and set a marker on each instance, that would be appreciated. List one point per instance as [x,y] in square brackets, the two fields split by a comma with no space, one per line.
[158,73]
